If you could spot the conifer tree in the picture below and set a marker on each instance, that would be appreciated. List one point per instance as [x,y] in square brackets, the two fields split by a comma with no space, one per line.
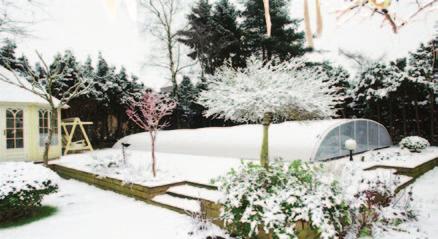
[188,95]
[7,55]
[229,35]
[285,41]
[420,66]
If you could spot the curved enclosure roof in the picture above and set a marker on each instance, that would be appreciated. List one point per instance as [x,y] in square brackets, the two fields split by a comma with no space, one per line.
[305,140]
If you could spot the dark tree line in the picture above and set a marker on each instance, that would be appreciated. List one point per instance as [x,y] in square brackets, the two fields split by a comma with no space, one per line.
[106,102]
[402,95]
[219,32]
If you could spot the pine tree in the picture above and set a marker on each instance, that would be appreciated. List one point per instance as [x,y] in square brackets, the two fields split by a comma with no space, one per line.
[7,55]
[229,35]
[23,65]
[187,95]
[200,34]
[67,64]
[102,75]
[285,41]
[339,78]
[420,66]
[371,90]
[213,35]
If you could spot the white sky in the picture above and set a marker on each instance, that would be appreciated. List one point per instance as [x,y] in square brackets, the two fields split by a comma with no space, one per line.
[89,26]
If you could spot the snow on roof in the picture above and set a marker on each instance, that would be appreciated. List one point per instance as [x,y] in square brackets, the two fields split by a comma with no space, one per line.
[14,94]
[289,140]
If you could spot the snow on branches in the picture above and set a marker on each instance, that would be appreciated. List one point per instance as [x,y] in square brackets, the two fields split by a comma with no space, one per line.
[391,11]
[288,90]
[148,113]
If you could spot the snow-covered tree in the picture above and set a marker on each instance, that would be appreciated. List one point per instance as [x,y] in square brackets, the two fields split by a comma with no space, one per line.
[420,67]
[265,91]
[187,101]
[148,114]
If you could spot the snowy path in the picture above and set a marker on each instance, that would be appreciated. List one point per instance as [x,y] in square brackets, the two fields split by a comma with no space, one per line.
[425,192]
[88,212]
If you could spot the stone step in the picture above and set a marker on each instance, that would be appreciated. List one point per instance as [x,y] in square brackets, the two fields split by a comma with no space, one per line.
[195,193]
[178,204]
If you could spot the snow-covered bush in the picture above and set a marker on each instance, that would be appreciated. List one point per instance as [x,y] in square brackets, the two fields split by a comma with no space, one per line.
[372,199]
[414,143]
[22,188]
[280,199]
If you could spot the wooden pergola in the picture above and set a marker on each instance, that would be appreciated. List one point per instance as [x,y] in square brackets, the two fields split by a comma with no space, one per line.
[69,127]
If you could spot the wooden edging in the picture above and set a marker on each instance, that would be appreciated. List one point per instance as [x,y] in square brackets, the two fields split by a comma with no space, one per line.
[411,172]
[210,210]
[137,191]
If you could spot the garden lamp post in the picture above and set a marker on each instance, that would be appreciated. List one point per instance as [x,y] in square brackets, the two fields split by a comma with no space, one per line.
[124,146]
[350,145]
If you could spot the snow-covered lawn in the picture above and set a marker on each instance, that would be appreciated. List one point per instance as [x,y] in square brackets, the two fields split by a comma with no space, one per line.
[88,212]
[171,167]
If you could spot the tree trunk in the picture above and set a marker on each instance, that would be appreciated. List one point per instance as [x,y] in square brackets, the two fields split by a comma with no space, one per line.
[379,113]
[417,118]
[404,115]
[48,141]
[154,165]
[264,155]
[391,119]
[432,114]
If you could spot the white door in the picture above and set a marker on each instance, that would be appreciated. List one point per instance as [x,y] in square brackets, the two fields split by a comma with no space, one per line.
[13,143]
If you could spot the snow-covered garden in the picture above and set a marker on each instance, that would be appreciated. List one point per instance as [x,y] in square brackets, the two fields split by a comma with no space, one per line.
[409,214]
[259,127]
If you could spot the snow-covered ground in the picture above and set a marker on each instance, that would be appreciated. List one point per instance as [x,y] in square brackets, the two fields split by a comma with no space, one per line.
[425,193]
[171,168]
[88,212]
[393,156]
[202,169]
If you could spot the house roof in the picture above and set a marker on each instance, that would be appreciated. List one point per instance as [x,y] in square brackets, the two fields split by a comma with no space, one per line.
[13,94]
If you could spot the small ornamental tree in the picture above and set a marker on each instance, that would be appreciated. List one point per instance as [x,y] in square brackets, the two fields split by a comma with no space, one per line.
[148,113]
[265,91]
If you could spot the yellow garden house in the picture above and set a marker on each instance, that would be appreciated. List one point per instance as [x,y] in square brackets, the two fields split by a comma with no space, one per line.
[24,124]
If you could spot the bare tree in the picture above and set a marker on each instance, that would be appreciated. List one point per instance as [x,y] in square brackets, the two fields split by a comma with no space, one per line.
[165,28]
[148,114]
[42,87]
[14,16]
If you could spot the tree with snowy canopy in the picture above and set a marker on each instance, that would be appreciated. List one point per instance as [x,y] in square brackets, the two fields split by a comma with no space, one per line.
[265,91]
[420,67]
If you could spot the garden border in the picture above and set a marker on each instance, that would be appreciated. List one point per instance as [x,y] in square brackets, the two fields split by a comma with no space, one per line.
[414,173]
[209,209]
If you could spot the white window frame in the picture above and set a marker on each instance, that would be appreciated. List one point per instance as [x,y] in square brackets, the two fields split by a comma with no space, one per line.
[14,112]
[44,126]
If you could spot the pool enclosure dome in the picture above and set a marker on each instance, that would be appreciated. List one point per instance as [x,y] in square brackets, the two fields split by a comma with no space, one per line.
[306,140]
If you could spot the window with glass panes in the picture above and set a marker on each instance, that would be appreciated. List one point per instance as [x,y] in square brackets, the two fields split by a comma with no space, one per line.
[14,129]
[44,126]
